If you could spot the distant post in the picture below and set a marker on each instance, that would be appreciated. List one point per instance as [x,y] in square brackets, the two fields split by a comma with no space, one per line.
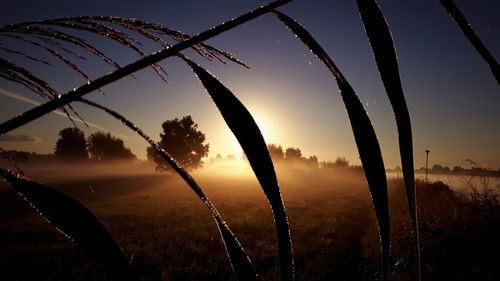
[426,163]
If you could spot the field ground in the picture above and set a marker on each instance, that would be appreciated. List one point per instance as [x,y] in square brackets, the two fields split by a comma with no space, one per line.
[169,234]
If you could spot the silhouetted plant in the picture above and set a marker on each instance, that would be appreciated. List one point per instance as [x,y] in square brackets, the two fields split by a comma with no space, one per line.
[65,210]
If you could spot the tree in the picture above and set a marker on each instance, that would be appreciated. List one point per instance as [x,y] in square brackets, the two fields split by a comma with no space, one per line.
[71,145]
[183,141]
[293,154]
[231,157]
[341,162]
[312,161]
[276,152]
[104,147]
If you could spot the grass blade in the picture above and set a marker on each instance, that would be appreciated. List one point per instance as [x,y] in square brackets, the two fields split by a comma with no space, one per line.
[243,126]
[364,135]
[380,38]
[24,55]
[104,80]
[76,222]
[240,262]
[147,29]
[466,28]
[18,74]
[5,155]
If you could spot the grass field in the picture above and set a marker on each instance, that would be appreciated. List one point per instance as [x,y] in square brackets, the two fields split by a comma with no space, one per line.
[169,234]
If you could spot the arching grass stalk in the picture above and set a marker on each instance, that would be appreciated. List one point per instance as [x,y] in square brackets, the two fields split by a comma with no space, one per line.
[466,28]
[382,45]
[73,219]
[239,260]
[248,134]
[364,135]
[102,81]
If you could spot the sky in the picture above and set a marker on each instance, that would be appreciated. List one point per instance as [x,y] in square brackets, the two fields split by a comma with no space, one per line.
[453,99]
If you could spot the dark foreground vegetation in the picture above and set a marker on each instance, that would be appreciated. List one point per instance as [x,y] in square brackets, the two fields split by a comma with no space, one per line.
[169,235]
[346,251]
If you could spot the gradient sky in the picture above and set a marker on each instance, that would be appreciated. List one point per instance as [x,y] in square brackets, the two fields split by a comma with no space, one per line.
[453,99]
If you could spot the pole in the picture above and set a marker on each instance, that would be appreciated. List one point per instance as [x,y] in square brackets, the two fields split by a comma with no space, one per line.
[426,164]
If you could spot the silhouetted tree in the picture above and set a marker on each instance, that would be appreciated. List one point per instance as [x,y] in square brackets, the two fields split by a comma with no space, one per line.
[276,152]
[340,162]
[104,147]
[312,161]
[293,154]
[217,158]
[181,139]
[71,145]
[231,157]
[459,170]
[20,156]
[439,169]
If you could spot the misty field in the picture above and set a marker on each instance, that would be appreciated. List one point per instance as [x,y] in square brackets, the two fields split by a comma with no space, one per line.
[169,235]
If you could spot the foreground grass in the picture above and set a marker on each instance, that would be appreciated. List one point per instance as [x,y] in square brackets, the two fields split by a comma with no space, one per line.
[169,235]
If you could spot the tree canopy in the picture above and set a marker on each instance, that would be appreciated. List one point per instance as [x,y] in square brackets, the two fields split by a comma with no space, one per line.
[183,141]
[291,156]
[71,145]
[104,147]
[276,152]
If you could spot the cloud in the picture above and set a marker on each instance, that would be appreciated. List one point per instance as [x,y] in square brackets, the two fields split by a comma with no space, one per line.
[19,138]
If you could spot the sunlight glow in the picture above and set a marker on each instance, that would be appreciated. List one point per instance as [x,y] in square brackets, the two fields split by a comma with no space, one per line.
[267,126]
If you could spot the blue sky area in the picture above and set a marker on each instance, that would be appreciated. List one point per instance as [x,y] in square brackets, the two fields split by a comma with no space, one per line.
[453,98]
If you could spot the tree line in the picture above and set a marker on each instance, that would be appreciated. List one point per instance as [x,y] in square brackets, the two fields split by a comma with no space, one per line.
[293,157]
[99,146]
[458,170]
[181,138]
[438,169]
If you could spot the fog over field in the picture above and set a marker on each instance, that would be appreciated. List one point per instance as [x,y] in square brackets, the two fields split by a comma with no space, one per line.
[168,233]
